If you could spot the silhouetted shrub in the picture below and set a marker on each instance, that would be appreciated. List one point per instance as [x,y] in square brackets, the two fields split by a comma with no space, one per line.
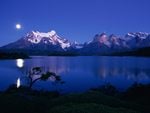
[107,89]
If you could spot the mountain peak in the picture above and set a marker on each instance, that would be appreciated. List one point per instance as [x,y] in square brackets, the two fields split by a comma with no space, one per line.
[100,38]
[37,37]
[97,37]
[42,34]
[139,34]
[49,38]
[103,34]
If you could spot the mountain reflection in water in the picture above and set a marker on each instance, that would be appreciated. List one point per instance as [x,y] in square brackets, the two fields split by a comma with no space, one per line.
[82,72]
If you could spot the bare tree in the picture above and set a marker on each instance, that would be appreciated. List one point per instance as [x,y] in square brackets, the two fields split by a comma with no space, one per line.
[36,74]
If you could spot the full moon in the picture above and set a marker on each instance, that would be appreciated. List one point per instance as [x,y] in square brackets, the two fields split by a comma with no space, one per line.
[18,26]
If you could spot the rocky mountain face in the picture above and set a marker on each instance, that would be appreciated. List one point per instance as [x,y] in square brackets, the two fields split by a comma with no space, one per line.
[103,44]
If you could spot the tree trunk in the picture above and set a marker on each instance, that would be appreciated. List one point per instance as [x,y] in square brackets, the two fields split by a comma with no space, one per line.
[32,82]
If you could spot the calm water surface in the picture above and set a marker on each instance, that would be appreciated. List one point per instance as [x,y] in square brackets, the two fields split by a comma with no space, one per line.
[80,73]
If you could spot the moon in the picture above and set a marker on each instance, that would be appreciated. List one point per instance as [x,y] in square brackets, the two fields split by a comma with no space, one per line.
[18,26]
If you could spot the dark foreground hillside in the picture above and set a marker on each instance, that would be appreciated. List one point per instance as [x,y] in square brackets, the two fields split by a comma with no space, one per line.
[135,100]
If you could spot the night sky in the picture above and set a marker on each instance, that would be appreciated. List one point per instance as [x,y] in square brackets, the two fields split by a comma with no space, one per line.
[76,20]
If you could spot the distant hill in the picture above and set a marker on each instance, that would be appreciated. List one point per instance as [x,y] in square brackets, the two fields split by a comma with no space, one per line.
[139,52]
[13,55]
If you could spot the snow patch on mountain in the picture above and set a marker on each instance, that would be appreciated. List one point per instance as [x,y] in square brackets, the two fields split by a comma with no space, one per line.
[77,45]
[51,37]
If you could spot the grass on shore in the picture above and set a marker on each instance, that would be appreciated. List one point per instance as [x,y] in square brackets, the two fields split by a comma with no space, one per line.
[94,101]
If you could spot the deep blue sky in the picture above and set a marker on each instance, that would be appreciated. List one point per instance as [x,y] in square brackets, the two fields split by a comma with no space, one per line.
[76,20]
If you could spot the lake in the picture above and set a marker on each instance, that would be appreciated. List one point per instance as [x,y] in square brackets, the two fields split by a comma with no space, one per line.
[79,73]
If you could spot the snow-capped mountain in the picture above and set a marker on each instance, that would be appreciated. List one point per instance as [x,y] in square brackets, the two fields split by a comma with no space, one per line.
[137,40]
[47,38]
[40,42]
[36,40]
